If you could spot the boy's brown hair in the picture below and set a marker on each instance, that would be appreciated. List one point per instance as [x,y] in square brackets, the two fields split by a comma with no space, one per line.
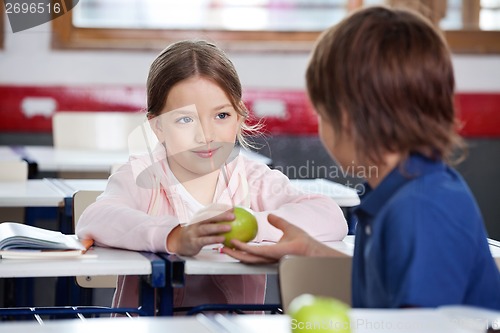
[389,72]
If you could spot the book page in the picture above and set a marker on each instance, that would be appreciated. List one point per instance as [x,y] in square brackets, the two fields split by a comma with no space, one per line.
[20,236]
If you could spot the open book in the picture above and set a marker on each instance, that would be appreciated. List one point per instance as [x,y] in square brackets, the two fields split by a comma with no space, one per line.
[18,240]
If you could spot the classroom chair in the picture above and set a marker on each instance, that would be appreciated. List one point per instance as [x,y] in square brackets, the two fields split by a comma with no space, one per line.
[101,132]
[321,276]
[104,131]
[82,199]
[13,170]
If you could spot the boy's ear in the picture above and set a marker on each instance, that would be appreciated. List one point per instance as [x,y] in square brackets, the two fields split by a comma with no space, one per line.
[346,124]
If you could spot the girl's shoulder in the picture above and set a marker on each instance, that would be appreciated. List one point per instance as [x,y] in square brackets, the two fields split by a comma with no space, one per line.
[259,174]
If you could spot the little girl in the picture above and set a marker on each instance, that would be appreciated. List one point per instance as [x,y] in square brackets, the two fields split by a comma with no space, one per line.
[151,203]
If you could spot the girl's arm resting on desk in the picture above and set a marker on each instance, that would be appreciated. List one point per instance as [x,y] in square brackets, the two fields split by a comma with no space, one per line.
[113,224]
[118,218]
[294,241]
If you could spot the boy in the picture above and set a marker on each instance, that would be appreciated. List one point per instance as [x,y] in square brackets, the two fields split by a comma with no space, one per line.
[382,84]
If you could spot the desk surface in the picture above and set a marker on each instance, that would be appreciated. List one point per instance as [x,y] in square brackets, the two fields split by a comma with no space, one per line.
[495,250]
[97,261]
[69,186]
[50,159]
[443,320]
[30,193]
[48,192]
[7,154]
[210,261]
[344,196]
[51,191]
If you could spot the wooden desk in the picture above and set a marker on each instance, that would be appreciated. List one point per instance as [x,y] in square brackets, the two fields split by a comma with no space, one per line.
[136,325]
[344,196]
[97,261]
[48,192]
[68,187]
[50,159]
[211,261]
[30,193]
[441,320]
[7,154]
[495,250]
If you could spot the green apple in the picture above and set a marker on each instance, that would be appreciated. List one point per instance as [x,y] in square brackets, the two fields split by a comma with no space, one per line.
[311,313]
[243,227]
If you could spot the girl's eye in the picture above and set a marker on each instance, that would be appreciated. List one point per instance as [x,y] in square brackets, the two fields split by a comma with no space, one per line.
[222,115]
[184,120]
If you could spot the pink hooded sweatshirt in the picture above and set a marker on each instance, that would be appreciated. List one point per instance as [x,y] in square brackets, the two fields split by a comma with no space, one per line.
[143,202]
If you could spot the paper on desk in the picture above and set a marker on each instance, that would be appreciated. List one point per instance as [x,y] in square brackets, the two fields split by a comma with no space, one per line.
[212,253]
[45,254]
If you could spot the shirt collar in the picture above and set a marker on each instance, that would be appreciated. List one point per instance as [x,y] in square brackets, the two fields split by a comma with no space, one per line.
[415,166]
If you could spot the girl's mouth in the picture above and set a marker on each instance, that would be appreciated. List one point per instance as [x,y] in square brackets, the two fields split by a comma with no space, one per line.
[205,153]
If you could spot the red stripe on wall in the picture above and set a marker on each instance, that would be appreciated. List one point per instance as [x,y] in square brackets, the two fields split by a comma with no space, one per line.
[30,108]
[15,117]
[480,114]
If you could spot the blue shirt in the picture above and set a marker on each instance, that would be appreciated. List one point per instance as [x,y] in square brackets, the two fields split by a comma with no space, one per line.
[421,241]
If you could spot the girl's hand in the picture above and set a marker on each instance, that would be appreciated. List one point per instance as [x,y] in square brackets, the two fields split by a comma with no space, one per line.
[294,241]
[190,239]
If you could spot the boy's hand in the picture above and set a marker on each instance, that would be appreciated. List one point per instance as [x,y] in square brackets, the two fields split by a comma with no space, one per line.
[294,241]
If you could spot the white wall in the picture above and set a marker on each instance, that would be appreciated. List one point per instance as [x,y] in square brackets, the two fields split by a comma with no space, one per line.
[27,59]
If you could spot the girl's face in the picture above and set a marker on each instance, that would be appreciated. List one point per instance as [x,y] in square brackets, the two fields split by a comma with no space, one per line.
[198,126]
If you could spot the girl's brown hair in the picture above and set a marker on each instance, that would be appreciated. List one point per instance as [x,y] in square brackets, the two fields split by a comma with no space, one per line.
[190,58]
[389,73]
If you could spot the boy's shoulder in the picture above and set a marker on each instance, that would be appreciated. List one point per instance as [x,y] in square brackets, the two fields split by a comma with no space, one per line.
[440,187]
[438,200]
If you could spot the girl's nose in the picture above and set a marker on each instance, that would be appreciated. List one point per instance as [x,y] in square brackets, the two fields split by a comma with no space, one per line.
[205,133]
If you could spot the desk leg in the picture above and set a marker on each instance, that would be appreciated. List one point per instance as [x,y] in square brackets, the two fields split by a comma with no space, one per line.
[67,291]
[155,286]
[66,218]
[174,269]
[148,294]
[24,287]
[157,302]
